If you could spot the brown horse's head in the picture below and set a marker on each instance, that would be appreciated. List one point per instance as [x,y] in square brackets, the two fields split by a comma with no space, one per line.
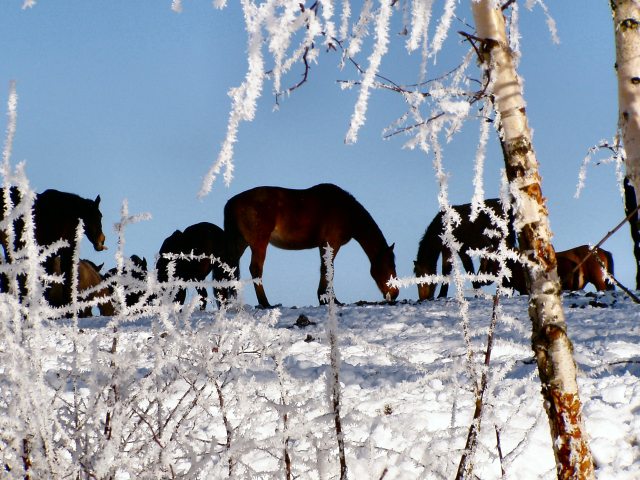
[92,219]
[426,291]
[383,270]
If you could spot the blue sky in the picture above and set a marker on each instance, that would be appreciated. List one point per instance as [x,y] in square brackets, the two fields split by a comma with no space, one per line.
[129,100]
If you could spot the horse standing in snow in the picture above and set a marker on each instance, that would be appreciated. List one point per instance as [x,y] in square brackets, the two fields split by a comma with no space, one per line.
[202,239]
[471,235]
[591,270]
[56,215]
[301,219]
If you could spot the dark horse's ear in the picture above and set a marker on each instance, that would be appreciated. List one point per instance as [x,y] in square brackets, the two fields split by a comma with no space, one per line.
[97,200]
[392,245]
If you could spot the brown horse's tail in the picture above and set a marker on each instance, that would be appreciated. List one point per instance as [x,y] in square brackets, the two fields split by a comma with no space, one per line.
[235,244]
[609,257]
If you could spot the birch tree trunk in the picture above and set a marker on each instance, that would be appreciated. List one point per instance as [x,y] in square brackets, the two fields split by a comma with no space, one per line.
[626,23]
[550,342]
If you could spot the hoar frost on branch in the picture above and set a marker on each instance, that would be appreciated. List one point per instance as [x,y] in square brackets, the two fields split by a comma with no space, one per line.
[284,33]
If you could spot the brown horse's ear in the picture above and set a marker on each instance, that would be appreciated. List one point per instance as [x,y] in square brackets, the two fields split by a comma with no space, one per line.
[97,200]
[99,267]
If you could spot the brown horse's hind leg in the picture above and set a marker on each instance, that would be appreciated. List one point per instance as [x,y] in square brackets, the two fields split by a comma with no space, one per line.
[258,254]
[324,283]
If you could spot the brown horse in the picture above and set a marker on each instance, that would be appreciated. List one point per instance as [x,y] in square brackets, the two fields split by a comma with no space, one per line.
[589,272]
[88,278]
[471,235]
[204,239]
[56,215]
[302,219]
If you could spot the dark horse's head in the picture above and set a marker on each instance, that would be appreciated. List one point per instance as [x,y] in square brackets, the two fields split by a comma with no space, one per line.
[383,269]
[57,214]
[426,291]
[92,219]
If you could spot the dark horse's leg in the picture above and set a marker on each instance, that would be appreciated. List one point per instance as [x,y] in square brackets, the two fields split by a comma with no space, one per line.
[181,296]
[203,297]
[66,270]
[324,283]
[467,263]
[217,275]
[447,266]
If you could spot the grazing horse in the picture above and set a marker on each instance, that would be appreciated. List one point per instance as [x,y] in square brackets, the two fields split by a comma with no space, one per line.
[589,272]
[518,278]
[56,215]
[302,219]
[470,234]
[136,270]
[204,239]
[88,277]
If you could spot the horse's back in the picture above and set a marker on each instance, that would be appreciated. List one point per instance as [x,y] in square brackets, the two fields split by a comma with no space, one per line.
[290,218]
[203,238]
[88,274]
[205,233]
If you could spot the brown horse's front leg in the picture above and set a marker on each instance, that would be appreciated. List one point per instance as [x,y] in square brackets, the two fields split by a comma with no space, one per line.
[258,254]
[324,281]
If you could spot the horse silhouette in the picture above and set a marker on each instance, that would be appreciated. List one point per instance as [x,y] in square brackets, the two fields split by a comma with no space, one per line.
[302,219]
[471,235]
[134,274]
[202,239]
[56,215]
[591,270]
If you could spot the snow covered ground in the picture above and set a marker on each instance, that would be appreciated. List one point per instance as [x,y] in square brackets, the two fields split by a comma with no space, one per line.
[203,394]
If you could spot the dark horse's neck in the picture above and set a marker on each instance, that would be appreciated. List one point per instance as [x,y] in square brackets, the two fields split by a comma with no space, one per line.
[367,233]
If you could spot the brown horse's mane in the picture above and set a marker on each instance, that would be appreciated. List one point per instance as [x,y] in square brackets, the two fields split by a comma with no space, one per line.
[367,230]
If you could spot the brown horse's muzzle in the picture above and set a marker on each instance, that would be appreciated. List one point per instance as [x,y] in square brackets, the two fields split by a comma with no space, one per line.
[99,243]
[392,293]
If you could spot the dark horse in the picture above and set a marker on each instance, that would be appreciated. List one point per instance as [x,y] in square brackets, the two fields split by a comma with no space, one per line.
[204,239]
[301,219]
[56,216]
[591,270]
[471,235]
[134,274]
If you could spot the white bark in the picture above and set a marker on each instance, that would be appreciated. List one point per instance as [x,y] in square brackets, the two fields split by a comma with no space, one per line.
[551,344]
[626,21]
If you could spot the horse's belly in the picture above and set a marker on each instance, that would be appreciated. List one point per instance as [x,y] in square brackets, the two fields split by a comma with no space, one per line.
[292,240]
